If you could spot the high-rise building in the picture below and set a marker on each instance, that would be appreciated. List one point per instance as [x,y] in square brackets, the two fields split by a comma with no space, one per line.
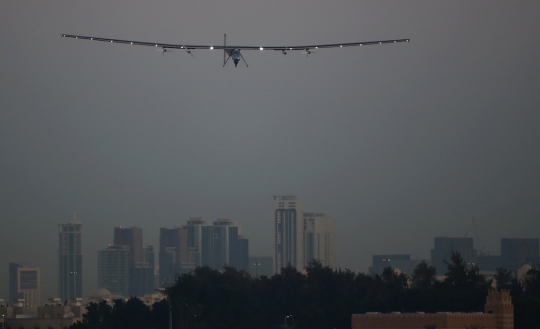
[516,252]
[70,259]
[24,283]
[173,253]
[239,259]
[141,276]
[195,227]
[125,268]
[288,232]
[319,239]
[228,247]
[444,246]
[114,270]
[131,237]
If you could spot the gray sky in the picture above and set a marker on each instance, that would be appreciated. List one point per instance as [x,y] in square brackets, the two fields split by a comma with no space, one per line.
[399,143]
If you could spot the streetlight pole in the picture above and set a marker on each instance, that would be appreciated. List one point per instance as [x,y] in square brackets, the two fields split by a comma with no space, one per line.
[292,320]
[170,313]
[257,264]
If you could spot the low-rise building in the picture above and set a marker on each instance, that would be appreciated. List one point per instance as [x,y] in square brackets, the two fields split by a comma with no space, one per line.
[53,315]
[498,314]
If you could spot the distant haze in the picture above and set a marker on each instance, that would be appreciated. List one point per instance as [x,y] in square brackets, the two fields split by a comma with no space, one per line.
[399,143]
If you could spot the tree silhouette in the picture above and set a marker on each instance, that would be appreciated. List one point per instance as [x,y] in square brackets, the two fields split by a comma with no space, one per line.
[424,276]
[320,298]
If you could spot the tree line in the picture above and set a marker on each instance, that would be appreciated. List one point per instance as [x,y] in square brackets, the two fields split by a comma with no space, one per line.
[320,298]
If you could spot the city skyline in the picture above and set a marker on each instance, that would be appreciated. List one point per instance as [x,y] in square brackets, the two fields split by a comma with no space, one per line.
[119,260]
[398,144]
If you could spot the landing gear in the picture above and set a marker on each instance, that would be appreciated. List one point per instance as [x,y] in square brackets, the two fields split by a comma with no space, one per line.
[236,55]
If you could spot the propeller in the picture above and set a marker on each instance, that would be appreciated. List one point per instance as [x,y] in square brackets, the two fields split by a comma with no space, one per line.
[188,51]
[307,52]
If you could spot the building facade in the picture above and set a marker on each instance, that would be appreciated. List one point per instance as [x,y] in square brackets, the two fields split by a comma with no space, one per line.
[288,232]
[70,259]
[516,252]
[498,314]
[195,227]
[113,270]
[57,315]
[141,275]
[173,252]
[228,247]
[131,237]
[319,239]
[444,246]
[25,283]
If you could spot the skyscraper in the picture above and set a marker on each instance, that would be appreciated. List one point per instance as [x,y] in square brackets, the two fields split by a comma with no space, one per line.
[141,262]
[113,270]
[173,253]
[228,246]
[141,277]
[131,237]
[70,259]
[288,232]
[24,283]
[319,239]
[195,227]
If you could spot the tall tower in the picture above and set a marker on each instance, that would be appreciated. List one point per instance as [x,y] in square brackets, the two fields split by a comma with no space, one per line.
[199,234]
[228,245]
[70,259]
[288,232]
[173,253]
[24,283]
[500,304]
[319,238]
[113,270]
[131,237]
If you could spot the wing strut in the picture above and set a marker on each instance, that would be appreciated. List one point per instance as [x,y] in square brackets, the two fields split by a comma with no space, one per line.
[225,61]
[244,59]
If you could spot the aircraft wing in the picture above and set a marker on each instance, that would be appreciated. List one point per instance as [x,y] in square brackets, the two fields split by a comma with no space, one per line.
[189,47]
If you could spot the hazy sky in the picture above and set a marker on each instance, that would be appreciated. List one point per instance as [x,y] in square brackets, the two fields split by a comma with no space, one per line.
[399,143]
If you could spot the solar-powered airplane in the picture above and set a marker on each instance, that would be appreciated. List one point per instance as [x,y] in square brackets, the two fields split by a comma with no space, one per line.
[234,52]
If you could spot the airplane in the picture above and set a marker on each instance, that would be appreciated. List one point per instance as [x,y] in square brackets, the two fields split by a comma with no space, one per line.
[234,52]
